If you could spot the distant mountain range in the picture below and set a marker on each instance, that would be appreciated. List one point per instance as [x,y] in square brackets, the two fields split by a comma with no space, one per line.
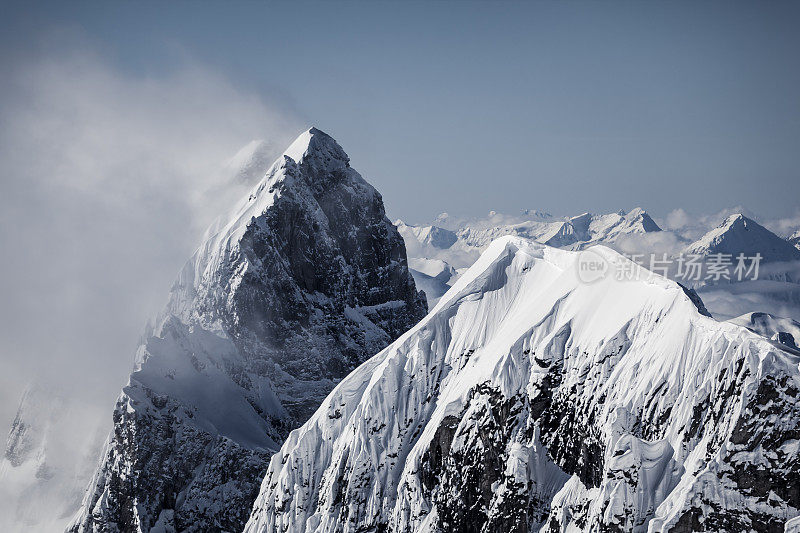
[442,253]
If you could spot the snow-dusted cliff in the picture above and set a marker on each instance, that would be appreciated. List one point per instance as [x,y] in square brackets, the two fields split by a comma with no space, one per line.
[303,281]
[530,401]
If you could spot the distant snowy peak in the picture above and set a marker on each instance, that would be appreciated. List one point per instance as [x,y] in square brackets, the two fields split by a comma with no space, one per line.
[530,401]
[533,213]
[435,268]
[607,228]
[741,235]
[427,235]
[578,231]
[460,247]
[794,239]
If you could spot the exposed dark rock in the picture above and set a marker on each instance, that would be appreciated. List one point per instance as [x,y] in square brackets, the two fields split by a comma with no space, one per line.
[276,307]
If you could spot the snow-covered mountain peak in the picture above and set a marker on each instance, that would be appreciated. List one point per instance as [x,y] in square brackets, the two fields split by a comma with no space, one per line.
[312,171]
[735,218]
[530,401]
[739,234]
[639,216]
[794,239]
[300,145]
[318,144]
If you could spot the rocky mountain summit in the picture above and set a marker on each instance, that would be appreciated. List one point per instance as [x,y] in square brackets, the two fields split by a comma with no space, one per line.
[302,282]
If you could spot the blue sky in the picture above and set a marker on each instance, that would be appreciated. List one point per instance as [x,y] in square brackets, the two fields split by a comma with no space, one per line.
[466,107]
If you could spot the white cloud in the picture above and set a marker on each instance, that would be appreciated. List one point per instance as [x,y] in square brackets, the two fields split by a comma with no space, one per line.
[676,219]
[107,180]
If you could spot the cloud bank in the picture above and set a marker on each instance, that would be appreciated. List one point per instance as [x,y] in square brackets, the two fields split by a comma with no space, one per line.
[108,180]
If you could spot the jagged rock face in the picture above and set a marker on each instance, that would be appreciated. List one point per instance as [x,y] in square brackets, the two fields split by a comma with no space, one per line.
[21,442]
[322,248]
[304,281]
[528,401]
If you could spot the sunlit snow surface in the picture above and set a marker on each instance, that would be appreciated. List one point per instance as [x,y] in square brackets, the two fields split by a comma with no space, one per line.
[614,403]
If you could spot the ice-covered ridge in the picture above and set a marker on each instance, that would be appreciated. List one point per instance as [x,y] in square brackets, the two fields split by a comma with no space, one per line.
[614,404]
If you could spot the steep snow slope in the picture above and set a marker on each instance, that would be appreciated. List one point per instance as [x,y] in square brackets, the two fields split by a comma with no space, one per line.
[527,400]
[300,283]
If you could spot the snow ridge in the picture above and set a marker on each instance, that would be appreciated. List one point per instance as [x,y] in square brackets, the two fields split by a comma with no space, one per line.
[528,401]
